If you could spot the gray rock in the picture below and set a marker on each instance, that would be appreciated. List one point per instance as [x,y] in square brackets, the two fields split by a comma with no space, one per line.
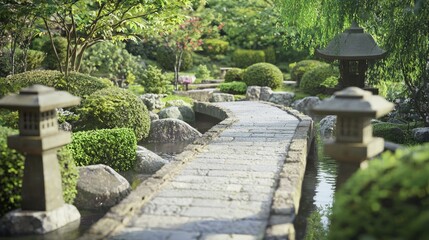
[222,97]
[99,186]
[170,112]
[253,93]
[65,126]
[176,103]
[282,98]
[421,134]
[171,130]
[327,127]
[153,101]
[148,162]
[265,94]
[188,114]
[153,116]
[304,105]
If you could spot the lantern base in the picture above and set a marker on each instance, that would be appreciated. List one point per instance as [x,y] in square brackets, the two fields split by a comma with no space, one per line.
[354,152]
[20,222]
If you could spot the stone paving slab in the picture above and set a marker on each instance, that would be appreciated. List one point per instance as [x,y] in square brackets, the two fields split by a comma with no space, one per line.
[242,180]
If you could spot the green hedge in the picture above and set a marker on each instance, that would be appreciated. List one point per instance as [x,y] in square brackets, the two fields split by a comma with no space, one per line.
[12,172]
[313,81]
[114,108]
[113,147]
[234,74]
[77,84]
[244,58]
[233,87]
[215,46]
[165,57]
[302,67]
[263,74]
[389,199]
[392,132]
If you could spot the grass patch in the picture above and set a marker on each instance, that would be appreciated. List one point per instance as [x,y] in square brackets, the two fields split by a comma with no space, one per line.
[177,97]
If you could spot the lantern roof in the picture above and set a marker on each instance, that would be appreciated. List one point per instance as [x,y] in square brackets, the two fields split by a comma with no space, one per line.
[353,101]
[39,97]
[352,44]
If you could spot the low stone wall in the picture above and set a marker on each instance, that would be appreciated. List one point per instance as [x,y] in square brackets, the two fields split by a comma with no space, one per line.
[202,95]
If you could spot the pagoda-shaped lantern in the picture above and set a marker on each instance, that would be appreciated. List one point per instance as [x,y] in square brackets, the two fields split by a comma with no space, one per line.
[354,108]
[39,139]
[353,48]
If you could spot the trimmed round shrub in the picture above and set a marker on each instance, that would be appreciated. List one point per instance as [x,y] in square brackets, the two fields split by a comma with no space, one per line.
[77,84]
[165,58]
[302,67]
[51,61]
[390,132]
[12,172]
[233,87]
[389,199]
[244,58]
[263,74]
[313,81]
[215,46]
[234,74]
[114,108]
[113,147]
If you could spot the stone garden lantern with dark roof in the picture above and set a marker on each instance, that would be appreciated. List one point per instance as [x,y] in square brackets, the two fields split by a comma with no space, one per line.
[353,48]
[42,208]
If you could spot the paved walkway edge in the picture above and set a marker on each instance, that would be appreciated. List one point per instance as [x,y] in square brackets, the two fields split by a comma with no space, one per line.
[288,193]
[118,216]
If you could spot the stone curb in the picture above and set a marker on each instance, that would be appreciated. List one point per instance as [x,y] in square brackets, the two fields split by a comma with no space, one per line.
[287,195]
[118,216]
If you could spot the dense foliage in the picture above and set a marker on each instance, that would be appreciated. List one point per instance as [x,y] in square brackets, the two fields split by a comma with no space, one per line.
[314,81]
[233,87]
[166,58]
[113,147]
[55,57]
[215,46]
[263,74]
[24,61]
[234,74]
[114,108]
[154,81]
[388,199]
[12,172]
[244,58]
[76,83]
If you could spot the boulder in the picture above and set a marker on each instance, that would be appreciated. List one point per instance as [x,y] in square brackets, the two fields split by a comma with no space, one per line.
[153,101]
[147,162]
[222,97]
[265,94]
[153,116]
[282,98]
[171,130]
[170,112]
[421,134]
[188,114]
[253,93]
[100,187]
[327,127]
[304,105]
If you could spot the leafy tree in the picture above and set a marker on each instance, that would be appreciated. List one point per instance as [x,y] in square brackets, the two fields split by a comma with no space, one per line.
[400,27]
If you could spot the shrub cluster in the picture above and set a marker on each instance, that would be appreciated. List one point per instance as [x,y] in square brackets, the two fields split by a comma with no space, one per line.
[31,61]
[215,46]
[76,83]
[202,72]
[302,67]
[263,74]
[154,81]
[113,147]
[12,172]
[390,132]
[114,108]
[165,57]
[51,61]
[244,58]
[313,81]
[233,87]
[234,74]
[389,199]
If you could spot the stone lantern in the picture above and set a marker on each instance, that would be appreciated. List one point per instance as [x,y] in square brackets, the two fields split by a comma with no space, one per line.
[353,48]
[354,108]
[39,139]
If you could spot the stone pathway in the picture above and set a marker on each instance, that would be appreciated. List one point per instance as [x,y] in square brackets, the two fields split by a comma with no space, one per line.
[227,190]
